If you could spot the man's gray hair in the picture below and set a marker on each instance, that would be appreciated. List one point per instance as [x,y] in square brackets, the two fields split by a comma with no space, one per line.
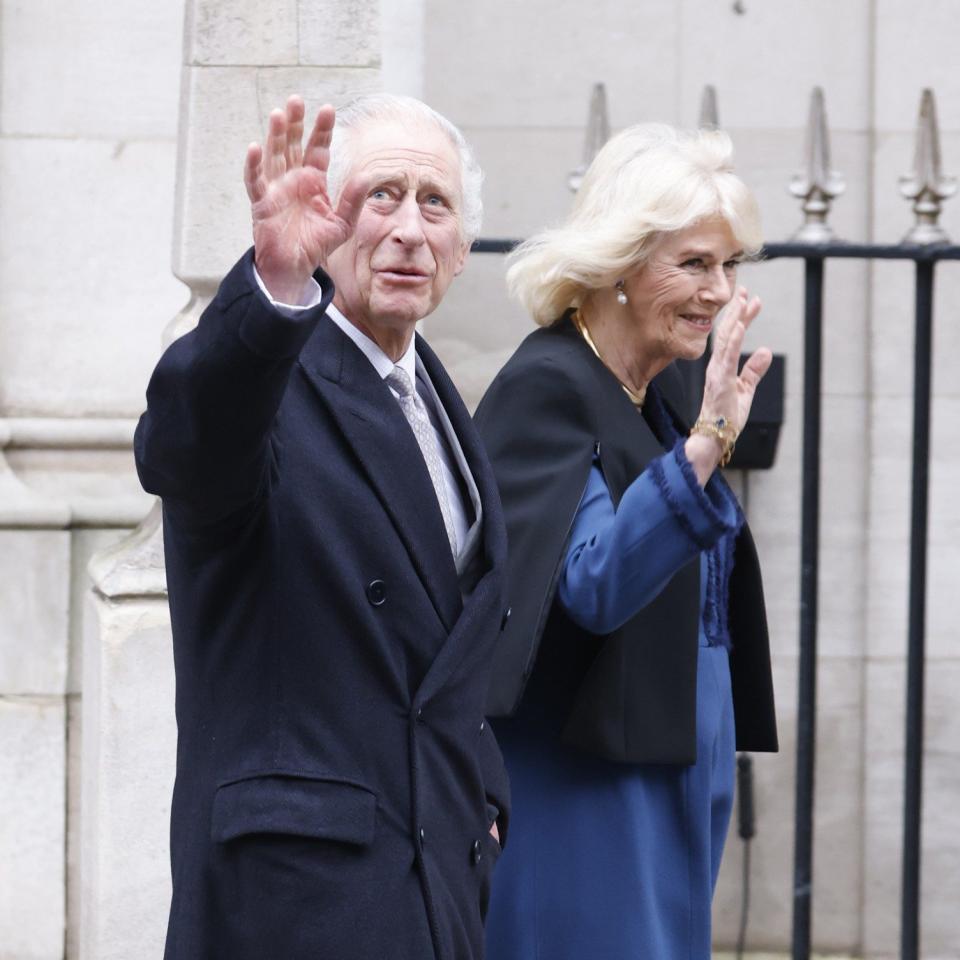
[384,107]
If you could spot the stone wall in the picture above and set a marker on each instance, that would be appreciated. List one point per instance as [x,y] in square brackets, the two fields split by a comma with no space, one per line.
[88,119]
[88,122]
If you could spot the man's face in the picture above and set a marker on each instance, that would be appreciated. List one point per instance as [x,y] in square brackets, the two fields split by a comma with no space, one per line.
[407,245]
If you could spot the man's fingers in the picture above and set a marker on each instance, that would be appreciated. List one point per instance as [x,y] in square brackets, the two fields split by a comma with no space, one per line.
[317,153]
[275,149]
[351,200]
[295,113]
[253,178]
[755,368]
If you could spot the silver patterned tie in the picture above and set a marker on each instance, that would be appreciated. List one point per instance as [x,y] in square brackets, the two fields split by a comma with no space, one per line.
[416,413]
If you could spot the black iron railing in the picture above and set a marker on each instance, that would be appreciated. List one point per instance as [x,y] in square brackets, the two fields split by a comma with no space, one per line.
[815,256]
[925,258]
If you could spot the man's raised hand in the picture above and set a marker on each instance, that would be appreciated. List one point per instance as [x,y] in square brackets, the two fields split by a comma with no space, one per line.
[295,228]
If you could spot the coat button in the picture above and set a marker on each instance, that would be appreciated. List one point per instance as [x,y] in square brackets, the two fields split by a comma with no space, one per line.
[420,714]
[477,851]
[506,617]
[376,592]
[423,838]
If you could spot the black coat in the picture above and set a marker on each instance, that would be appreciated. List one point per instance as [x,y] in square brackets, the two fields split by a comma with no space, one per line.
[333,767]
[631,695]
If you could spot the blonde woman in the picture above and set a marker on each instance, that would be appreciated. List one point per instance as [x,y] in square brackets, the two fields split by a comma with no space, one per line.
[636,660]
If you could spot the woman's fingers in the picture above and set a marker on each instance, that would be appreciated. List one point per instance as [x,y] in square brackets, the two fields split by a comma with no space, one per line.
[751,309]
[729,392]
[754,369]
[740,313]
[730,333]
[746,313]
[750,376]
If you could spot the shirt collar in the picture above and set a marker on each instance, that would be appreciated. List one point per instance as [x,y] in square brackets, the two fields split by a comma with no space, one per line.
[381,362]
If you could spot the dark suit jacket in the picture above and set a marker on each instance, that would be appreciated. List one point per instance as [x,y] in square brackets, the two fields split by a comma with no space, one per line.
[333,766]
[630,695]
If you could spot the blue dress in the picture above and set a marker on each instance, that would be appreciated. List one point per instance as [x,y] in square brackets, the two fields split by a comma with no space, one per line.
[609,861]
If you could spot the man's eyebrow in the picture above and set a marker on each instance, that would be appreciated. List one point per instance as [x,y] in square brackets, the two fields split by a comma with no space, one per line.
[390,178]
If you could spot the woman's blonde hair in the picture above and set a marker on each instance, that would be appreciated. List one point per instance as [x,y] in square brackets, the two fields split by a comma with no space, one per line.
[648,180]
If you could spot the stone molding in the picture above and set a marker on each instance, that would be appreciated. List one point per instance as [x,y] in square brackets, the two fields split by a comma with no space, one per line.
[22,507]
[61,433]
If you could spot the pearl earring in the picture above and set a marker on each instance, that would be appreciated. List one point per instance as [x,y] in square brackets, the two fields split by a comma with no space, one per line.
[621,295]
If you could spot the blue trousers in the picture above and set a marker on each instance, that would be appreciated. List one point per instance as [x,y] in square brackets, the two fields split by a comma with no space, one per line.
[607,861]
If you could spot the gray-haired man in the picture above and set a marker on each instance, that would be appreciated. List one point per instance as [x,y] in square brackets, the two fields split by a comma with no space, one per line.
[334,550]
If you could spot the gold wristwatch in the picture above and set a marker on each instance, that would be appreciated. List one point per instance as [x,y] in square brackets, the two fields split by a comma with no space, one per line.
[721,430]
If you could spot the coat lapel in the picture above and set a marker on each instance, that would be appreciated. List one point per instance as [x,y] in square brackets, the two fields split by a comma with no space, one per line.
[373,425]
[486,599]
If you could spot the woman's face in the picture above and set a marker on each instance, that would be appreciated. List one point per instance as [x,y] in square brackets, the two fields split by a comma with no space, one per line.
[676,295]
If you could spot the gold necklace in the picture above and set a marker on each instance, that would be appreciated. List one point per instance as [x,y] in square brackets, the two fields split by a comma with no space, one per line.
[636,398]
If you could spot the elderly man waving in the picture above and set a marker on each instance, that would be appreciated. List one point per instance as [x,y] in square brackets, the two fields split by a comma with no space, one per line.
[334,550]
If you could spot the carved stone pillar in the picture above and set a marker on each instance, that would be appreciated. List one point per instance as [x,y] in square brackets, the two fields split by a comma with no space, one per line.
[242,57]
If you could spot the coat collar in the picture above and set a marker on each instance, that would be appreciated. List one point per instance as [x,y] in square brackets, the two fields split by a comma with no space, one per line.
[619,422]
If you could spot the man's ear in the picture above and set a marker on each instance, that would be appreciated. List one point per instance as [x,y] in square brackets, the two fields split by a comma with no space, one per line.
[462,257]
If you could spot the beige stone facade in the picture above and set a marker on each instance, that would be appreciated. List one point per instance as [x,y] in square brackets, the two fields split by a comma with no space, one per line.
[122,131]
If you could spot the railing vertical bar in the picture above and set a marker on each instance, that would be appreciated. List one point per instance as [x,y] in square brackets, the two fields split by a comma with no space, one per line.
[913,764]
[807,668]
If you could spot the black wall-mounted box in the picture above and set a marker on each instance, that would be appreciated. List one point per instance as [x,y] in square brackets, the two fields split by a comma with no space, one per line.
[756,447]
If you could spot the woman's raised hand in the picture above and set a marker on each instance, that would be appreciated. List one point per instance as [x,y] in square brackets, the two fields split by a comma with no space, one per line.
[295,226]
[728,393]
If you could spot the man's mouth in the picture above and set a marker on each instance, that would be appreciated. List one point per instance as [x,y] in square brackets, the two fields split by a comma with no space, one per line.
[401,274]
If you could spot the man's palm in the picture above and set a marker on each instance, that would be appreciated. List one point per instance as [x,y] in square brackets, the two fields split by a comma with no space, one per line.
[295,227]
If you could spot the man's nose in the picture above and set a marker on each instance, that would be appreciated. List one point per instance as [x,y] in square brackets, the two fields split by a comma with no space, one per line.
[408,222]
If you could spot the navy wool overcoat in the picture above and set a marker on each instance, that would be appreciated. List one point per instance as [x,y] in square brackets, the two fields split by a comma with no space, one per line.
[334,771]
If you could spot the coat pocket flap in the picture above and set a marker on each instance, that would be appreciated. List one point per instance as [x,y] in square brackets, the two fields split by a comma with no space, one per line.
[303,806]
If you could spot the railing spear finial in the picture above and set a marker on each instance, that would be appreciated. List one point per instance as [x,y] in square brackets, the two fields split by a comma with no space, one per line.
[598,133]
[817,185]
[926,184]
[709,116]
